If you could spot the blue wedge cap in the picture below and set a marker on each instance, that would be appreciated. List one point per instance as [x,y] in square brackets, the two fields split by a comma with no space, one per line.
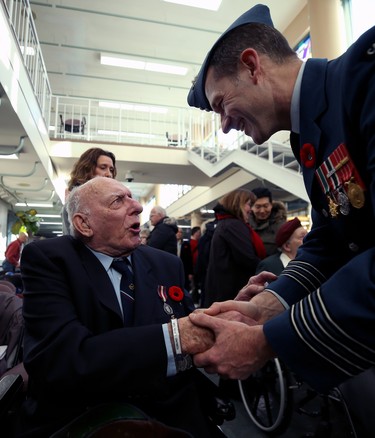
[197,96]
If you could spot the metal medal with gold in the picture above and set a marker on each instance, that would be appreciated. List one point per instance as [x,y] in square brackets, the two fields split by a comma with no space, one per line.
[355,194]
[333,207]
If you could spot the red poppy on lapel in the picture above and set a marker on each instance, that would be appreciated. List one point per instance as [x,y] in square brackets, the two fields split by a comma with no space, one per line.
[307,155]
[175,293]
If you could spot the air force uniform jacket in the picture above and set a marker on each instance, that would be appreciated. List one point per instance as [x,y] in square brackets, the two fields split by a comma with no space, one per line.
[330,286]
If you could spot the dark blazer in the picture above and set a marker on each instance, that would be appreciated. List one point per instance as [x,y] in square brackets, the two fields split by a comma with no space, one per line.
[77,351]
[163,236]
[271,263]
[333,276]
[232,261]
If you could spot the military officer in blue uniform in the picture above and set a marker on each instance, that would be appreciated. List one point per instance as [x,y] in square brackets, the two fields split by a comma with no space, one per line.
[319,315]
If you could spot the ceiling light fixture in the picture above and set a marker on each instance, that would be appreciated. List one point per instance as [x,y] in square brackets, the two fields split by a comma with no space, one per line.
[33,204]
[120,61]
[51,223]
[132,107]
[211,5]
[9,157]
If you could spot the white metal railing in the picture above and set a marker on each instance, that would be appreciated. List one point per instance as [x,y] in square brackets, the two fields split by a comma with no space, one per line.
[95,120]
[89,120]
[22,24]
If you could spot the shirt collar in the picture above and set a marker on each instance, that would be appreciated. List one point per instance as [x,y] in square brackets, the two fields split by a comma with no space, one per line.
[296,96]
[105,259]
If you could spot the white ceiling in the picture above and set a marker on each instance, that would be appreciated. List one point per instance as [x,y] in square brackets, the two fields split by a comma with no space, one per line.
[73,33]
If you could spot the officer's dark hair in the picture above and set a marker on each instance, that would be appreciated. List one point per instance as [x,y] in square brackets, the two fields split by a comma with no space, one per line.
[264,39]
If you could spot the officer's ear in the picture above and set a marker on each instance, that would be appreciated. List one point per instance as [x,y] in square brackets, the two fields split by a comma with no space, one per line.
[82,224]
[250,60]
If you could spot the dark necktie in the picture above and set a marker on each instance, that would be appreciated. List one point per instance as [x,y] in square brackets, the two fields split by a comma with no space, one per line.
[126,288]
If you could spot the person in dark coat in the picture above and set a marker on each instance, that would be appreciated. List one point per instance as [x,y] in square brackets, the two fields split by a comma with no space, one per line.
[163,235]
[235,250]
[79,351]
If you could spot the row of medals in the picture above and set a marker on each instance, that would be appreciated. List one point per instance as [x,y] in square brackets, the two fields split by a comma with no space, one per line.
[344,197]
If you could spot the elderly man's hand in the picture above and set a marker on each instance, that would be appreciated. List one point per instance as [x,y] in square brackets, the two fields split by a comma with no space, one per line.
[238,351]
[255,285]
[194,339]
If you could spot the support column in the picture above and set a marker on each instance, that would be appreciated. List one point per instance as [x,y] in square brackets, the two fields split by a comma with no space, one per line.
[196,219]
[327,29]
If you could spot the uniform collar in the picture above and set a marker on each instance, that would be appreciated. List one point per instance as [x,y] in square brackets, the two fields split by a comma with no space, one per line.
[296,96]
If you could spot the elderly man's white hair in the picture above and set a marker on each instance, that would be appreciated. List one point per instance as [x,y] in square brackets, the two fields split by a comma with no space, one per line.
[160,210]
[76,203]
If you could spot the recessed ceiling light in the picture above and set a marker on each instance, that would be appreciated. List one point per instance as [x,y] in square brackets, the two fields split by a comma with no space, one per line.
[9,157]
[121,61]
[212,5]
[33,204]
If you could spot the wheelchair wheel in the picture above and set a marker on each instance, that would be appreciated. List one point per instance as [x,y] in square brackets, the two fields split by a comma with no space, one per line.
[267,396]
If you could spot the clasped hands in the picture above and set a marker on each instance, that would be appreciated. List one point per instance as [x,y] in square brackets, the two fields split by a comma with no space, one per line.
[227,338]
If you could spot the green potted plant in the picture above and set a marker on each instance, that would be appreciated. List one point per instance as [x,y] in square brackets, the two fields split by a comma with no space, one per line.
[27,221]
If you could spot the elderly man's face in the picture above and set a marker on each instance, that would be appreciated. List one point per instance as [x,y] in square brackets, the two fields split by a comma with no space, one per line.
[155,217]
[113,218]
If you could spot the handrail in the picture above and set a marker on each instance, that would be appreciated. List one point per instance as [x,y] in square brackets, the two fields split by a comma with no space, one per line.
[21,21]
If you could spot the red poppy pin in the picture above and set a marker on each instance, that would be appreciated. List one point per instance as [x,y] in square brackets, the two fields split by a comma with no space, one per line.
[307,155]
[175,293]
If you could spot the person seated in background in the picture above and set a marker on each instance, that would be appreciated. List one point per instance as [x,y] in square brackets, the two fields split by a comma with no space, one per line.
[11,262]
[266,217]
[91,338]
[163,235]
[288,239]
[93,162]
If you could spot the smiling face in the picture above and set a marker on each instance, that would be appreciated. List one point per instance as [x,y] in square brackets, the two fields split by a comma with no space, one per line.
[262,208]
[109,217]
[245,102]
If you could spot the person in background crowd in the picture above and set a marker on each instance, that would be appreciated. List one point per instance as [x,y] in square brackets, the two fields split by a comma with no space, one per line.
[93,162]
[235,250]
[11,263]
[288,239]
[195,236]
[184,252]
[235,253]
[266,217]
[87,343]
[204,246]
[180,239]
[321,309]
[163,235]
[144,235]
